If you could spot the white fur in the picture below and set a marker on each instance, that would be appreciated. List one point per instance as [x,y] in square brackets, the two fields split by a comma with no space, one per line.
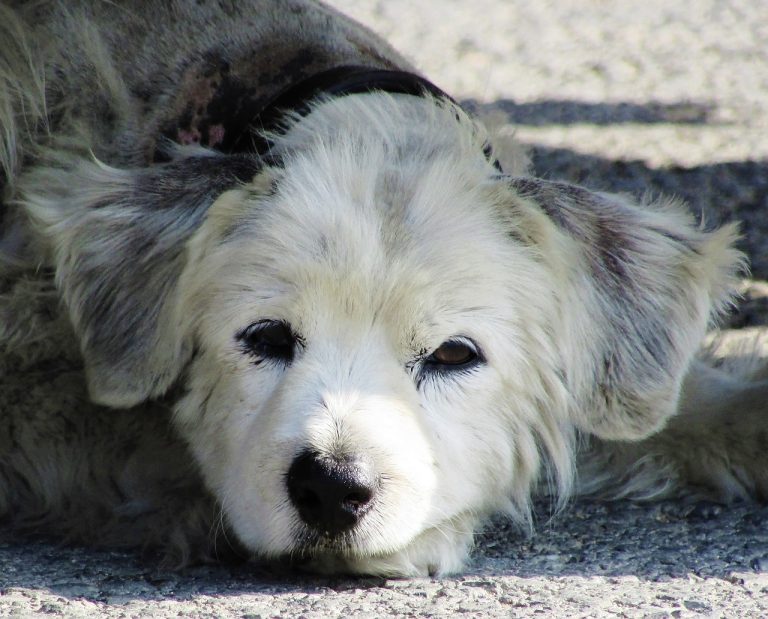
[371,264]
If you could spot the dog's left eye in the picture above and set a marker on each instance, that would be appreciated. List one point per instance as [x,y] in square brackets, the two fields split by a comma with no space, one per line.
[454,354]
[269,339]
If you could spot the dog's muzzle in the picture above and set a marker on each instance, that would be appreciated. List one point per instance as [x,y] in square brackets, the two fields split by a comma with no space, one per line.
[331,496]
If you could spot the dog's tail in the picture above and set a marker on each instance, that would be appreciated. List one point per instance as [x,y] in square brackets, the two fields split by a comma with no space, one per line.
[716,447]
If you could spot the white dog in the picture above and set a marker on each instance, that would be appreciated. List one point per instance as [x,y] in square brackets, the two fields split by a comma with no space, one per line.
[370,333]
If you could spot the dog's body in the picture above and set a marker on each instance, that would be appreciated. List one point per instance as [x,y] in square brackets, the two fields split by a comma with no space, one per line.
[369,337]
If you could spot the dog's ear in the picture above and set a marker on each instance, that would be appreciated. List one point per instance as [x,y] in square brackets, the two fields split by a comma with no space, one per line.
[637,286]
[118,240]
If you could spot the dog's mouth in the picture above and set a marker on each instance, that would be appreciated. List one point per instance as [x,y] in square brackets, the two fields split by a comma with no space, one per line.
[310,543]
[322,554]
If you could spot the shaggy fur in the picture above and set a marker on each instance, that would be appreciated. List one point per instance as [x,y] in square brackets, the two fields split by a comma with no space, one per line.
[142,263]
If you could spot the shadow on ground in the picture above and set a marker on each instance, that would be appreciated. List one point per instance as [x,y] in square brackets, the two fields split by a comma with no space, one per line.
[652,541]
[589,539]
[564,112]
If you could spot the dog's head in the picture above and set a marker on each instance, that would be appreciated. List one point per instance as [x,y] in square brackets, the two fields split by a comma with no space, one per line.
[379,338]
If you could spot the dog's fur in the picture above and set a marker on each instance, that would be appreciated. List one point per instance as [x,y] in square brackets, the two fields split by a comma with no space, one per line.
[137,259]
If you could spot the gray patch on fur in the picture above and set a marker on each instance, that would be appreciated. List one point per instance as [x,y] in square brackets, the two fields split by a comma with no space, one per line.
[123,255]
[641,299]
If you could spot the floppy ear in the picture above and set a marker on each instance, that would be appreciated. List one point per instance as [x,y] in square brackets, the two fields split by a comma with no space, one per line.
[637,287]
[118,239]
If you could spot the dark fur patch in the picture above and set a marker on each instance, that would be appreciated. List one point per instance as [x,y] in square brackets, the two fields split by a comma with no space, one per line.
[121,294]
[219,100]
[546,196]
[193,179]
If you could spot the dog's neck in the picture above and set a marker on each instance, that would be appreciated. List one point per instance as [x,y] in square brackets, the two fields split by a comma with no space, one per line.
[246,128]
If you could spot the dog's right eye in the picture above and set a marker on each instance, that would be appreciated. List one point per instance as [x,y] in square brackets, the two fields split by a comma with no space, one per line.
[269,340]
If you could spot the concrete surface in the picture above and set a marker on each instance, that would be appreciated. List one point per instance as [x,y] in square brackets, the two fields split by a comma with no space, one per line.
[660,96]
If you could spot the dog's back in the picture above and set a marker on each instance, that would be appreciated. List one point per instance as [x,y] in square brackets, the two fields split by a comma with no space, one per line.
[117,78]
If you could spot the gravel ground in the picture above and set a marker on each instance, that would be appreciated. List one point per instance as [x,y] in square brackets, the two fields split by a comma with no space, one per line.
[660,96]
[597,560]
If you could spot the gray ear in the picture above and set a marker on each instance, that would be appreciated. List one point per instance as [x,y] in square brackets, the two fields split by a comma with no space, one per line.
[639,286]
[118,239]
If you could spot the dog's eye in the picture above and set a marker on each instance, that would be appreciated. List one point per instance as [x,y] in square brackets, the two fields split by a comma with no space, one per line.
[458,353]
[269,339]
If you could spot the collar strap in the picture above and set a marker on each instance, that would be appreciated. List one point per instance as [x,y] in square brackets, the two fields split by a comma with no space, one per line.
[336,82]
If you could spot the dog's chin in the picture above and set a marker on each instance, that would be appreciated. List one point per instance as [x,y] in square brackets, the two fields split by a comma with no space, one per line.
[436,551]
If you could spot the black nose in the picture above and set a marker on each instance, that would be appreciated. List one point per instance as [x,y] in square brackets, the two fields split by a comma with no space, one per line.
[331,496]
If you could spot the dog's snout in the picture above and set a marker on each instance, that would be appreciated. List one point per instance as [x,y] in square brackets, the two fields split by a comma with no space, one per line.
[331,496]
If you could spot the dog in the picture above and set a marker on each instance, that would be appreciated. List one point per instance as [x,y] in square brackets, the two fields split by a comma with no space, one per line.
[266,287]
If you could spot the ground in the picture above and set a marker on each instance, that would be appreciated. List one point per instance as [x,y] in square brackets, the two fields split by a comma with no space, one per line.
[659,96]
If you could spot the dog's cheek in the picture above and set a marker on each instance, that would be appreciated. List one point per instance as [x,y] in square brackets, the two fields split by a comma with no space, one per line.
[244,440]
[472,444]
[216,417]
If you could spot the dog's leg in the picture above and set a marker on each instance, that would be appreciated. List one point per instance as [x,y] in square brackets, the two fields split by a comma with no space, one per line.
[717,444]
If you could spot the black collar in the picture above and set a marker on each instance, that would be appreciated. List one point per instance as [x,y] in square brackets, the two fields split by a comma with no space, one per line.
[335,82]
